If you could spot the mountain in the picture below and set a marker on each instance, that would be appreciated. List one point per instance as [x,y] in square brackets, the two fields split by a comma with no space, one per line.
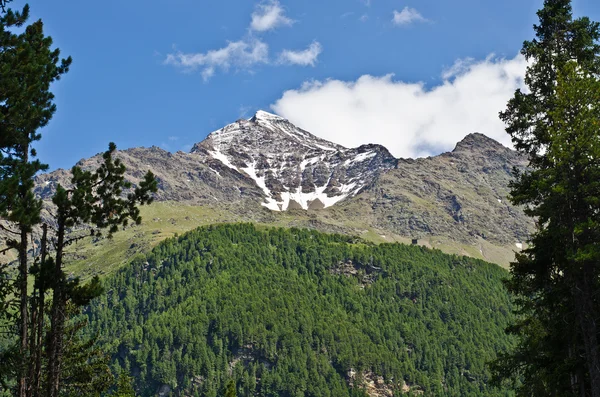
[460,194]
[294,169]
[267,170]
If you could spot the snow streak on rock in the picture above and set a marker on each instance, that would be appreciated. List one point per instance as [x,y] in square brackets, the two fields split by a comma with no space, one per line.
[293,168]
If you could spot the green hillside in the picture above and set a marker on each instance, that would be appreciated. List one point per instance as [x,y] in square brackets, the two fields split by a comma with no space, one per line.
[288,312]
[162,220]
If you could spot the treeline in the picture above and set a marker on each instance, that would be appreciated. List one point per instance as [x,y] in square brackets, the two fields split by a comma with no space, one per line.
[301,313]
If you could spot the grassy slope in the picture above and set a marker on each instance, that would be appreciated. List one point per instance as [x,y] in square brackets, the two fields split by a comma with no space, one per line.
[165,219]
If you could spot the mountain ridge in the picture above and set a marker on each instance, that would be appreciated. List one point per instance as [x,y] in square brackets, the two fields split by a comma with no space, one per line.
[255,170]
[293,168]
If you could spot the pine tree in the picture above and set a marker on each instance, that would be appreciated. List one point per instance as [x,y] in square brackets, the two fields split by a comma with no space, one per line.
[86,370]
[124,386]
[555,280]
[96,200]
[28,65]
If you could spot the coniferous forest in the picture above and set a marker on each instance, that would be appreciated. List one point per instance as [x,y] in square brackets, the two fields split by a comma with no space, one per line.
[297,312]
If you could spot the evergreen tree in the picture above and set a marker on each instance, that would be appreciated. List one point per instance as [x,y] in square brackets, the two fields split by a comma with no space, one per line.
[555,280]
[28,65]
[124,386]
[86,367]
[233,302]
[96,200]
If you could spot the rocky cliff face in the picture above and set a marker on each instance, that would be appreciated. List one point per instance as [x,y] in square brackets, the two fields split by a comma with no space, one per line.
[263,166]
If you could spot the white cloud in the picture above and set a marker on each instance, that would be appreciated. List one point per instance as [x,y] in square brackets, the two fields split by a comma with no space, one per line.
[304,58]
[239,54]
[460,66]
[268,16]
[407,16]
[248,51]
[408,118]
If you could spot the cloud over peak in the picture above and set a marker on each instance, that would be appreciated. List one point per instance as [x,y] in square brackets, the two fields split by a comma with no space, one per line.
[269,15]
[307,57]
[407,16]
[408,118]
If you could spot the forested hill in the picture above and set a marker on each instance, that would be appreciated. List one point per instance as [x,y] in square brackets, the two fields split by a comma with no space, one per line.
[300,313]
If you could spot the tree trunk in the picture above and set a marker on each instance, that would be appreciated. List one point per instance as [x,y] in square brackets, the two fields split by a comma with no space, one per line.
[585,310]
[23,312]
[32,345]
[38,334]
[57,319]
[23,273]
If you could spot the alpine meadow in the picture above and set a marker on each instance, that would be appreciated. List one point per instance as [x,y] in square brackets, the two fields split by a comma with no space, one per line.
[416,211]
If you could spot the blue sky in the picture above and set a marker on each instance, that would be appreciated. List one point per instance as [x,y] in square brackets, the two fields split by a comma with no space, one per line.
[407,74]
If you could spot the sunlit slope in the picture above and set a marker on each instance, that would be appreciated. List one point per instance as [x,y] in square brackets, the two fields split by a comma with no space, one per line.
[163,219]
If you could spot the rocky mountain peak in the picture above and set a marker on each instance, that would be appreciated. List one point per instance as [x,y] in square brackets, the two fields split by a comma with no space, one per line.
[477,142]
[294,169]
[267,133]
[262,116]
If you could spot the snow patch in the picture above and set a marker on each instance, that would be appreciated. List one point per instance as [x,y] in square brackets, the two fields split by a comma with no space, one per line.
[329,149]
[302,199]
[271,204]
[222,158]
[360,158]
[260,180]
[261,115]
[309,161]
[519,245]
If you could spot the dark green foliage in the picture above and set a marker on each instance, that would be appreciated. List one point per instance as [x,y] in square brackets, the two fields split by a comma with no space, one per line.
[124,386]
[267,309]
[230,392]
[559,39]
[60,362]
[555,280]
[7,303]
[28,66]
[97,200]
[85,368]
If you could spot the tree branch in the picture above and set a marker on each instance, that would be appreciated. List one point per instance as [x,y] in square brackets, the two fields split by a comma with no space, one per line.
[8,230]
